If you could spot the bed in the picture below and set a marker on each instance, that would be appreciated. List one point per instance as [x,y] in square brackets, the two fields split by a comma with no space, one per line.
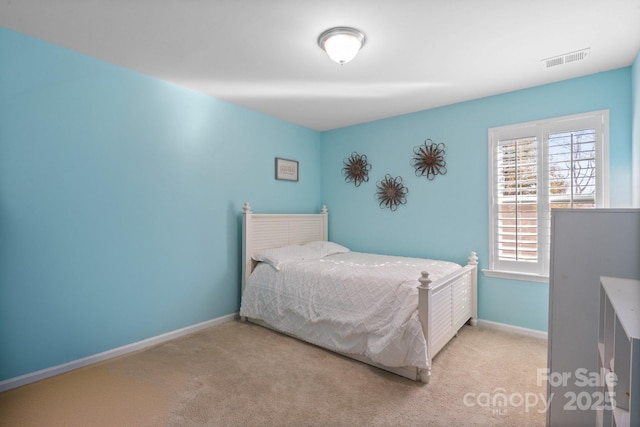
[292,276]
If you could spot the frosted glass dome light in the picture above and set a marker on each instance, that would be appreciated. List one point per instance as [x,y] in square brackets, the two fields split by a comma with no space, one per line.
[342,44]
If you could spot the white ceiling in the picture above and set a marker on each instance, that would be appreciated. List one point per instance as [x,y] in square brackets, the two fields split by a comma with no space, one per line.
[263,54]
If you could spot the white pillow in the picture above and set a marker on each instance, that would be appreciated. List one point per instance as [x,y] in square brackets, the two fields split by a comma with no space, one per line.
[276,257]
[325,248]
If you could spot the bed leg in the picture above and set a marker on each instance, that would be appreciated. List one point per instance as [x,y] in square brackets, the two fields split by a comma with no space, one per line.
[425,375]
[243,318]
[473,321]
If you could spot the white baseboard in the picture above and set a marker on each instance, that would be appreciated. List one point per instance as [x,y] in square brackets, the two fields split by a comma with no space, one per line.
[109,354]
[515,329]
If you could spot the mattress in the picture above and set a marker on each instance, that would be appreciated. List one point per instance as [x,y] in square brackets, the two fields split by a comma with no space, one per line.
[353,303]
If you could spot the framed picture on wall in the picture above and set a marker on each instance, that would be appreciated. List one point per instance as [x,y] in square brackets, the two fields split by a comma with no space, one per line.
[286,169]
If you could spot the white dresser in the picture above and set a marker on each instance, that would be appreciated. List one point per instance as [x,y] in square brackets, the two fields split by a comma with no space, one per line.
[585,245]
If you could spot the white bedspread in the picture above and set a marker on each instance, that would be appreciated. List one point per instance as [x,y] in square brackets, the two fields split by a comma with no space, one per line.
[353,303]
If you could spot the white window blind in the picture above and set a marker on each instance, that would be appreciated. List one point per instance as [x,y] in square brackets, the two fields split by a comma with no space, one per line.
[535,167]
[517,199]
[572,169]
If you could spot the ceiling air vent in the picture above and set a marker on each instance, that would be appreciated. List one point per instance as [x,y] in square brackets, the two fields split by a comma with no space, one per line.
[566,58]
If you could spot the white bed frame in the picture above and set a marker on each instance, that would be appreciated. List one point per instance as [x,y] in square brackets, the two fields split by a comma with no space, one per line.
[444,305]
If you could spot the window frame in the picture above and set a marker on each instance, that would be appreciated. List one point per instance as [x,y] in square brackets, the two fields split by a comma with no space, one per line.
[538,271]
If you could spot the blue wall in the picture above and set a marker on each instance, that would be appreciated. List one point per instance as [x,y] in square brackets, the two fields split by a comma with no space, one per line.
[120,202]
[448,217]
[635,174]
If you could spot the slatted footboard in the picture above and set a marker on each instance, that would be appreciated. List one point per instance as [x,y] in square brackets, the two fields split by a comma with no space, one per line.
[444,306]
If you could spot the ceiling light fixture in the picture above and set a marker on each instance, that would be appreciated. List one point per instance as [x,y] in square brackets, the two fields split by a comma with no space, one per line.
[342,44]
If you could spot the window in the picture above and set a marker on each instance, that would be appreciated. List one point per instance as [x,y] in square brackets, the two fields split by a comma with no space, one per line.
[533,168]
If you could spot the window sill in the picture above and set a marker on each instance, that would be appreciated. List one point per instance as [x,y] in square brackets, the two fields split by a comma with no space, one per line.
[516,276]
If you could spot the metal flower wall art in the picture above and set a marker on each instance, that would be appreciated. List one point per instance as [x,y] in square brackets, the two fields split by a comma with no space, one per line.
[391,192]
[356,169]
[428,159]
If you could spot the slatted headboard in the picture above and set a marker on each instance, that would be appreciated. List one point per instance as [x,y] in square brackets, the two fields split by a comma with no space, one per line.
[264,231]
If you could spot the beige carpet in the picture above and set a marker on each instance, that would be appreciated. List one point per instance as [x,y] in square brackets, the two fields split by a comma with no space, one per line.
[240,374]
